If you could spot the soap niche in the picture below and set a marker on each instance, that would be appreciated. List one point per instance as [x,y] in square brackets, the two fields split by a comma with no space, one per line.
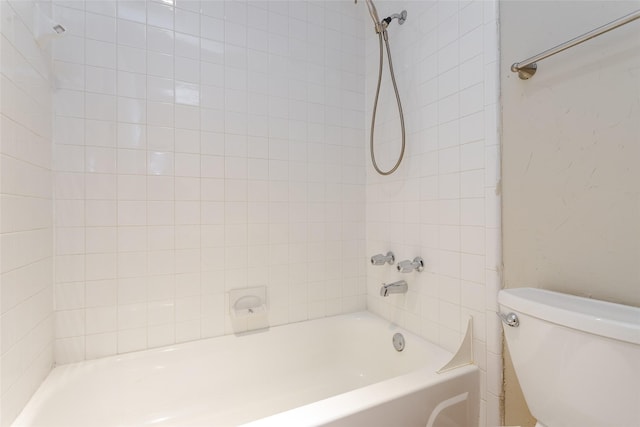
[248,309]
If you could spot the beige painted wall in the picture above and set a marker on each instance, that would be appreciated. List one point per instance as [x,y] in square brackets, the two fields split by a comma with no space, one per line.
[570,156]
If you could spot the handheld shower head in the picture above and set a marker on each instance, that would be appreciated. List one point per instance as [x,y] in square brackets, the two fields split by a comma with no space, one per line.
[381,30]
[374,14]
[381,25]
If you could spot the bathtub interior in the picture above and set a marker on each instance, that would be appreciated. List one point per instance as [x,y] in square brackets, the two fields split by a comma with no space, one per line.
[232,380]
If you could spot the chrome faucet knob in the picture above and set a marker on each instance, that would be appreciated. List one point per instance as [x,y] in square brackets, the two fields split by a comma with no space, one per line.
[380,259]
[408,266]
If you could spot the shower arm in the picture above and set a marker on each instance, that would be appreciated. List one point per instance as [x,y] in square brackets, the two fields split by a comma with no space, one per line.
[381,25]
[401,17]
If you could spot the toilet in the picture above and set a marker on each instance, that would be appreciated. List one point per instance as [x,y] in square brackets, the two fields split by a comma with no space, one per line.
[577,359]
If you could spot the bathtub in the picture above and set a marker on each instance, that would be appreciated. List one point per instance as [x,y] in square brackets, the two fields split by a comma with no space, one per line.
[336,371]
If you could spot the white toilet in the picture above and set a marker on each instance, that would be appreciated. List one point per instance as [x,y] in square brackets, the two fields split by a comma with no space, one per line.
[577,359]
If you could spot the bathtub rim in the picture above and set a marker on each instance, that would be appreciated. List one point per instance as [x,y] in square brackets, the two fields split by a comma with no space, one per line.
[351,402]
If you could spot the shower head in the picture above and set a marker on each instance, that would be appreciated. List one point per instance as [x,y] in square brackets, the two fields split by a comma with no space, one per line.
[381,25]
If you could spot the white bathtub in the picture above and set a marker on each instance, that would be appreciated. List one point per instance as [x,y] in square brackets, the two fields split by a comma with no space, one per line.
[338,371]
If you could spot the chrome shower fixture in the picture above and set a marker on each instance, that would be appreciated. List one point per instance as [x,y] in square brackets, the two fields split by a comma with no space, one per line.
[381,29]
[380,259]
[408,266]
[399,287]
[382,24]
[401,17]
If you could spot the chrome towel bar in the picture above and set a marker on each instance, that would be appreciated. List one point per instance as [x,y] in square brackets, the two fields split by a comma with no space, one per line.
[527,68]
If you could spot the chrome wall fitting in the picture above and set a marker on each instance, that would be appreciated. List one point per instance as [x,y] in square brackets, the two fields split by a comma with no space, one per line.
[401,17]
[408,266]
[399,287]
[380,259]
[510,319]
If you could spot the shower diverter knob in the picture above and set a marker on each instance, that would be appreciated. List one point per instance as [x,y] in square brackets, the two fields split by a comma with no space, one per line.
[408,266]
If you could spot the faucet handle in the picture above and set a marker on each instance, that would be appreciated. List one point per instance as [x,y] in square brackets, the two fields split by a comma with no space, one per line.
[408,266]
[380,259]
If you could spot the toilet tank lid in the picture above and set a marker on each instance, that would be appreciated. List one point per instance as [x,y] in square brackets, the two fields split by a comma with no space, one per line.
[617,321]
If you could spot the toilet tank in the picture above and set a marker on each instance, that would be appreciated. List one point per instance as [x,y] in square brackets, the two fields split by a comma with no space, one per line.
[577,359]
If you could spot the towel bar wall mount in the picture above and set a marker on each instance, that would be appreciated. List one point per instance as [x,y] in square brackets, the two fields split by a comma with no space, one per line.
[527,68]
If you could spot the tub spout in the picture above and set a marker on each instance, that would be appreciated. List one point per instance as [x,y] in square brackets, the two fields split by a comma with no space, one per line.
[399,287]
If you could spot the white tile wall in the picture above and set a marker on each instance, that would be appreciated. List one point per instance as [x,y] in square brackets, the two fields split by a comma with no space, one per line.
[441,204]
[200,147]
[26,211]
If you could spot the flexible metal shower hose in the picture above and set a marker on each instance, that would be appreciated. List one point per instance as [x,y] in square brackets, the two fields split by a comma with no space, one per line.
[375,106]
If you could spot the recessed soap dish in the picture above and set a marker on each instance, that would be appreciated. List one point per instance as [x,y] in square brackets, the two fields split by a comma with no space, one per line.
[248,309]
[248,305]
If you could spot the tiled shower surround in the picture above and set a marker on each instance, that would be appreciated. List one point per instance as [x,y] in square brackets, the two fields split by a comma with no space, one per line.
[26,212]
[201,146]
[442,203]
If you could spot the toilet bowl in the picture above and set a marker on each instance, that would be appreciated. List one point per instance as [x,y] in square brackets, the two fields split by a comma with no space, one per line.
[577,359]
